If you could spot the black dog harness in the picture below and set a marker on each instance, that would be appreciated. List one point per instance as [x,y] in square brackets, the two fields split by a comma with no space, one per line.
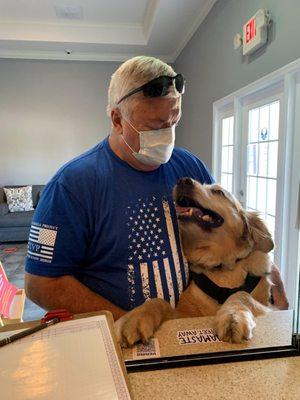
[219,293]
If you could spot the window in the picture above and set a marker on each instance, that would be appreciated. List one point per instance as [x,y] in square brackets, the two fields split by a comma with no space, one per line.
[256,144]
[262,160]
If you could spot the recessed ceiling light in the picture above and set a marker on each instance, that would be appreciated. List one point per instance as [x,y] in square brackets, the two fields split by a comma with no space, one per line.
[69,12]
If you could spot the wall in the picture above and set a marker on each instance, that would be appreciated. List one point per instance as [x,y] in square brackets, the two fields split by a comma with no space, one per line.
[50,111]
[213,69]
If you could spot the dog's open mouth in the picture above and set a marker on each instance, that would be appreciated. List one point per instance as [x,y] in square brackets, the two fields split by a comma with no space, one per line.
[189,209]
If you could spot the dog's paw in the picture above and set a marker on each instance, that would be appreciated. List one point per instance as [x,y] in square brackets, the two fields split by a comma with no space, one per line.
[236,326]
[134,327]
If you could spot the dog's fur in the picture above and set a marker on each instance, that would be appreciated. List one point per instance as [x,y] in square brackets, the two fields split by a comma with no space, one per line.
[238,246]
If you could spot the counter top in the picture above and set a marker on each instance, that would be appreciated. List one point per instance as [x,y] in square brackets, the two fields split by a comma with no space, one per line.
[276,379]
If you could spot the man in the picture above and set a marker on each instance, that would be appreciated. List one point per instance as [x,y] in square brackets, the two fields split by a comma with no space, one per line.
[105,235]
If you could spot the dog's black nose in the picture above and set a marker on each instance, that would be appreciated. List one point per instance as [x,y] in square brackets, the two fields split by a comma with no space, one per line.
[185,181]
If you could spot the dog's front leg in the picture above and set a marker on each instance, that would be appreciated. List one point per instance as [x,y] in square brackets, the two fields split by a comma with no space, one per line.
[235,320]
[142,322]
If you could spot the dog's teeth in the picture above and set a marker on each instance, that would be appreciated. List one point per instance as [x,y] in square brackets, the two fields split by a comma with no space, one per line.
[207,218]
[190,211]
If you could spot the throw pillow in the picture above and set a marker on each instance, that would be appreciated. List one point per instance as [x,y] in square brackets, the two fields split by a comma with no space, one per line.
[19,198]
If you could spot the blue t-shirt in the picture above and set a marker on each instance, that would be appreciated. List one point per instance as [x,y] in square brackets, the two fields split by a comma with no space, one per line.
[113,227]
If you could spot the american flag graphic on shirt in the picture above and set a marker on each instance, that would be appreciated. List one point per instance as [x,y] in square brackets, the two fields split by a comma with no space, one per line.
[41,242]
[154,262]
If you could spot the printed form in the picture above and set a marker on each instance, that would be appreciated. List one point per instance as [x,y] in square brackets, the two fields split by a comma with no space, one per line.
[71,360]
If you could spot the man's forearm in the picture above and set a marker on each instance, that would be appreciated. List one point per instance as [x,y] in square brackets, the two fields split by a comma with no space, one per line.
[66,292]
[278,291]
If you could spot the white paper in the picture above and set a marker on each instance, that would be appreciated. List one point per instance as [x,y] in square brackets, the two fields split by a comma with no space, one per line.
[205,335]
[71,360]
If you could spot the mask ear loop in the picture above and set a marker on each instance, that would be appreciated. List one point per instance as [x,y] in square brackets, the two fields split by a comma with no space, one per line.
[129,123]
[133,151]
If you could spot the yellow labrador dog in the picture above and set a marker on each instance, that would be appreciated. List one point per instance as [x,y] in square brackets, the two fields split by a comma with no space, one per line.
[226,248]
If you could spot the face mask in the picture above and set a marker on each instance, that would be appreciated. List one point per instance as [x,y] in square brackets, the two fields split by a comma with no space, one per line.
[156,146]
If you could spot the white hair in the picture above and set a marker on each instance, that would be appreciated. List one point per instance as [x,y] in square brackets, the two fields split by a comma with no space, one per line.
[132,74]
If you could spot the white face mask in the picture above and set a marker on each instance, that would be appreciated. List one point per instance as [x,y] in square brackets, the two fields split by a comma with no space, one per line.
[156,146]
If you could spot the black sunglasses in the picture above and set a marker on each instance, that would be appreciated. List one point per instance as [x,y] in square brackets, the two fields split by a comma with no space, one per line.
[159,86]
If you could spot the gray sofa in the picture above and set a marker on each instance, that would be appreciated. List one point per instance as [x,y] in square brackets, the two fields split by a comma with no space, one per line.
[14,227]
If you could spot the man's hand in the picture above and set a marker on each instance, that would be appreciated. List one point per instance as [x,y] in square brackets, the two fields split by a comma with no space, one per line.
[278,291]
[66,292]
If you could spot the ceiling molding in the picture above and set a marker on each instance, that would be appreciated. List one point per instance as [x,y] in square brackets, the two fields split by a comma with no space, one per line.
[194,26]
[149,18]
[59,55]
[130,34]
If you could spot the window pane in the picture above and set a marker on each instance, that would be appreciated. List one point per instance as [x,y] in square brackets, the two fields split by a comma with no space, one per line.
[264,123]
[270,221]
[271,201]
[230,138]
[225,131]
[229,183]
[225,159]
[274,120]
[230,159]
[261,194]
[253,125]
[263,159]
[224,180]
[251,192]
[252,159]
[273,156]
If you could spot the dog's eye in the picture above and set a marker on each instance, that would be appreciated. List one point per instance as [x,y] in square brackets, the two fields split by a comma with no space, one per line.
[218,191]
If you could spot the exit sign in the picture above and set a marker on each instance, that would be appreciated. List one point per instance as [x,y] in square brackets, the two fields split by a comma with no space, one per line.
[250,30]
[255,32]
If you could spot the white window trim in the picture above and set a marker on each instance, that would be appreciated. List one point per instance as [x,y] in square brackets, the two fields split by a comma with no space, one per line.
[228,112]
[285,78]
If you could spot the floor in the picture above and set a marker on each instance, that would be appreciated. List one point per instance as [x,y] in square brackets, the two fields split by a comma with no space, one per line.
[13,256]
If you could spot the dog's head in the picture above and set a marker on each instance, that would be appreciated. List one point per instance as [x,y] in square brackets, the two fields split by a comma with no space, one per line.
[214,227]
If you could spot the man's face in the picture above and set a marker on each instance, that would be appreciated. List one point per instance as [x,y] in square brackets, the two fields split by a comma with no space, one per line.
[150,114]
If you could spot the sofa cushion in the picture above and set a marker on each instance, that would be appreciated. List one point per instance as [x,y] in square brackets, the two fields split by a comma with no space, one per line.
[2,195]
[3,209]
[36,193]
[16,219]
[19,199]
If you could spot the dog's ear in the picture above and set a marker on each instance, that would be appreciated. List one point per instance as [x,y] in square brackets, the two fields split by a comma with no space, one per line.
[255,229]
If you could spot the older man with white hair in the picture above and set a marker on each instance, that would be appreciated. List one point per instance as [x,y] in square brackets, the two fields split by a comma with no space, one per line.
[105,234]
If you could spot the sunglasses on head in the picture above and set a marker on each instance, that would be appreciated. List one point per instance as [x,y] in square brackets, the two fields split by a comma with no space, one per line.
[159,86]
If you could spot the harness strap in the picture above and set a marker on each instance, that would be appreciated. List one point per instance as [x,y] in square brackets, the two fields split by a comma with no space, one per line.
[219,293]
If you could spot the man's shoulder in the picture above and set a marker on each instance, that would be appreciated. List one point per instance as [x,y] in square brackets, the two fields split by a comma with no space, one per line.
[83,167]
[180,153]
[191,165]
[83,162]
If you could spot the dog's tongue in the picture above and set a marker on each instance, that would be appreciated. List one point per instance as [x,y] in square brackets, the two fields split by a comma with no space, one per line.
[188,211]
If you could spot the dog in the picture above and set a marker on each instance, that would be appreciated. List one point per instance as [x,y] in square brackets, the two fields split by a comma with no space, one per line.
[227,250]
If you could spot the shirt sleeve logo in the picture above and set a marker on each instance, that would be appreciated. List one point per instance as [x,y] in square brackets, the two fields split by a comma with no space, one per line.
[41,242]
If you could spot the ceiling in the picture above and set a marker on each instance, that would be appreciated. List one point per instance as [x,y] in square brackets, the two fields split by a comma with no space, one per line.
[98,30]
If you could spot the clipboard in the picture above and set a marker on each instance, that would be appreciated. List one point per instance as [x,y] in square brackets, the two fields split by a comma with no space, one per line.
[118,371]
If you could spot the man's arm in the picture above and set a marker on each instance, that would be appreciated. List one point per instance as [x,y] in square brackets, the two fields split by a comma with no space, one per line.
[278,291]
[66,292]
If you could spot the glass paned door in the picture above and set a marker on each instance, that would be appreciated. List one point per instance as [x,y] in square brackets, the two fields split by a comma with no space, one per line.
[262,157]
